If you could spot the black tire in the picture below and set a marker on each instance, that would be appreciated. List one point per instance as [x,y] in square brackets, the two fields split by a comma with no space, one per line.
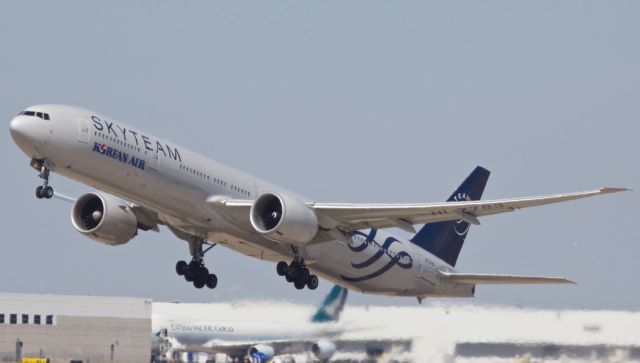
[193,268]
[39,193]
[181,268]
[299,284]
[198,283]
[188,277]
[212,281]
[201,277]
[281,268]
[304,274]
[203,273]
[312,282]
[294,269]
[288,278]
[48,192]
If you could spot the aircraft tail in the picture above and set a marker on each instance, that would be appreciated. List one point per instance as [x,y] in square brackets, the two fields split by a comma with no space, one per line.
[332,306]
[445,239]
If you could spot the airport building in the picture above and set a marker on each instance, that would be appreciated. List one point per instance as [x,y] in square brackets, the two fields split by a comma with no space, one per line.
[74,328]
[442,332]
[107,329]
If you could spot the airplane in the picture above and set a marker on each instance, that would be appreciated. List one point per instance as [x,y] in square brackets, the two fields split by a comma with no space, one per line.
[239,339]
[146,181]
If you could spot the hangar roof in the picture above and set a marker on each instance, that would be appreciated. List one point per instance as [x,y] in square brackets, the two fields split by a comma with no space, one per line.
[72,305]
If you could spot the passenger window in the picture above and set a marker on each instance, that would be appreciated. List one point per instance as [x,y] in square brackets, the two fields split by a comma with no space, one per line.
[49,319]
[1,318]
[25,319]
[36,319]
[13,319]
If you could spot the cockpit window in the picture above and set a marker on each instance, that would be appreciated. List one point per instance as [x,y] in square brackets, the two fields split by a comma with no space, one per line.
[42,115]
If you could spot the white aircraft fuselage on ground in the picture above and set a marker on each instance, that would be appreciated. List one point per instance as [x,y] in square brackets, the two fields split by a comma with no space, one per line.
[201,200]
[200,332]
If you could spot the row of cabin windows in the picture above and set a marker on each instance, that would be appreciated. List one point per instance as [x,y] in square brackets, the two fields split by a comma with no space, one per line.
[240,190]
[117,141]
[37,319]
[194,172]
[42,115]
[214,180]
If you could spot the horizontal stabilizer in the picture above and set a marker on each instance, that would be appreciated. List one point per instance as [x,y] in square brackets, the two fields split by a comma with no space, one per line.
[461,278]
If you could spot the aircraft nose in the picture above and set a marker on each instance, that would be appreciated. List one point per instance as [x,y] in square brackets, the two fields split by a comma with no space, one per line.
[25,130]
[18,128]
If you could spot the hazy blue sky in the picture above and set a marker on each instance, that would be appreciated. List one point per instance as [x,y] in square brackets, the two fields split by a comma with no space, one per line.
[343,101]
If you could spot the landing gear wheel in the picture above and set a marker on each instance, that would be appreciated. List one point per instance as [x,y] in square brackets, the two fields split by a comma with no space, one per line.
[299,284]
[304,274]
[312,282]
[43,191]
[281,268]
[195,271]
[188,276]
[199,283]
[288,278]
[212,281]
[181,268]
[193,268]
[294,269]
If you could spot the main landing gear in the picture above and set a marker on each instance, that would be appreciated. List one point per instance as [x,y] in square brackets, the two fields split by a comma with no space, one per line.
[44,190]
[297,273]
[195,271]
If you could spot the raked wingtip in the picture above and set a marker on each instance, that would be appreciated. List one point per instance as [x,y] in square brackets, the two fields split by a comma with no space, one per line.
[614,190]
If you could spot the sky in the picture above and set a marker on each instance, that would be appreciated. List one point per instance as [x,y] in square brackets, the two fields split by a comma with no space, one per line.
[343,101]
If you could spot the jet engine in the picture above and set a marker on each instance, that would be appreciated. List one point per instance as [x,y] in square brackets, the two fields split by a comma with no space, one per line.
[323,349]
[266,350]
[104,218]
[284,219]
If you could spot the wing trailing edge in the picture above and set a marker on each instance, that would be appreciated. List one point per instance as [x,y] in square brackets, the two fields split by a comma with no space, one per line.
[464,278]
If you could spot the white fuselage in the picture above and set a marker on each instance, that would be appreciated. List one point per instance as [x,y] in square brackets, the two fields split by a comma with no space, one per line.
[176,183]
[205,336]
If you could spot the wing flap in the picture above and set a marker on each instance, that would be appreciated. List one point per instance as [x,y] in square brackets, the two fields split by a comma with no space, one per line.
[463,278]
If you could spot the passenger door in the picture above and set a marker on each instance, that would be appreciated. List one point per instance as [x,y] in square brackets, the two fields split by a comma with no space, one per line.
[83,130]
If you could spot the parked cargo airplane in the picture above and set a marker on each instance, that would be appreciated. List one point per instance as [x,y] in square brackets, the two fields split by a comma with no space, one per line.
[206,203]
[238,339]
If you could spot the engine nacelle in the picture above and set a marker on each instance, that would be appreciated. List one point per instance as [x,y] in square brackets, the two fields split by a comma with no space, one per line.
[284,219]
[323,349]
[104,218]
[266,351]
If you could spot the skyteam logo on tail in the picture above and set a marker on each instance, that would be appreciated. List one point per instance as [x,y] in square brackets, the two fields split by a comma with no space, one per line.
[461,227]
[401,259]
[116,154]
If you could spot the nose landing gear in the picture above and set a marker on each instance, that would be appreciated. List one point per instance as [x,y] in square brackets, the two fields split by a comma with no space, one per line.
[44,190]
[195,271]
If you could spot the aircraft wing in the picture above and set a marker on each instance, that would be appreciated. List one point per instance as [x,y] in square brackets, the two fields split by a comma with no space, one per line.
[240,348]
[350,217]
[297,346]
[463,278]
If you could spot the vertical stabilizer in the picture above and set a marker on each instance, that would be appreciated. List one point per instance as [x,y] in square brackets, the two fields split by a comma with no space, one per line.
[445,239]
[332,306]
